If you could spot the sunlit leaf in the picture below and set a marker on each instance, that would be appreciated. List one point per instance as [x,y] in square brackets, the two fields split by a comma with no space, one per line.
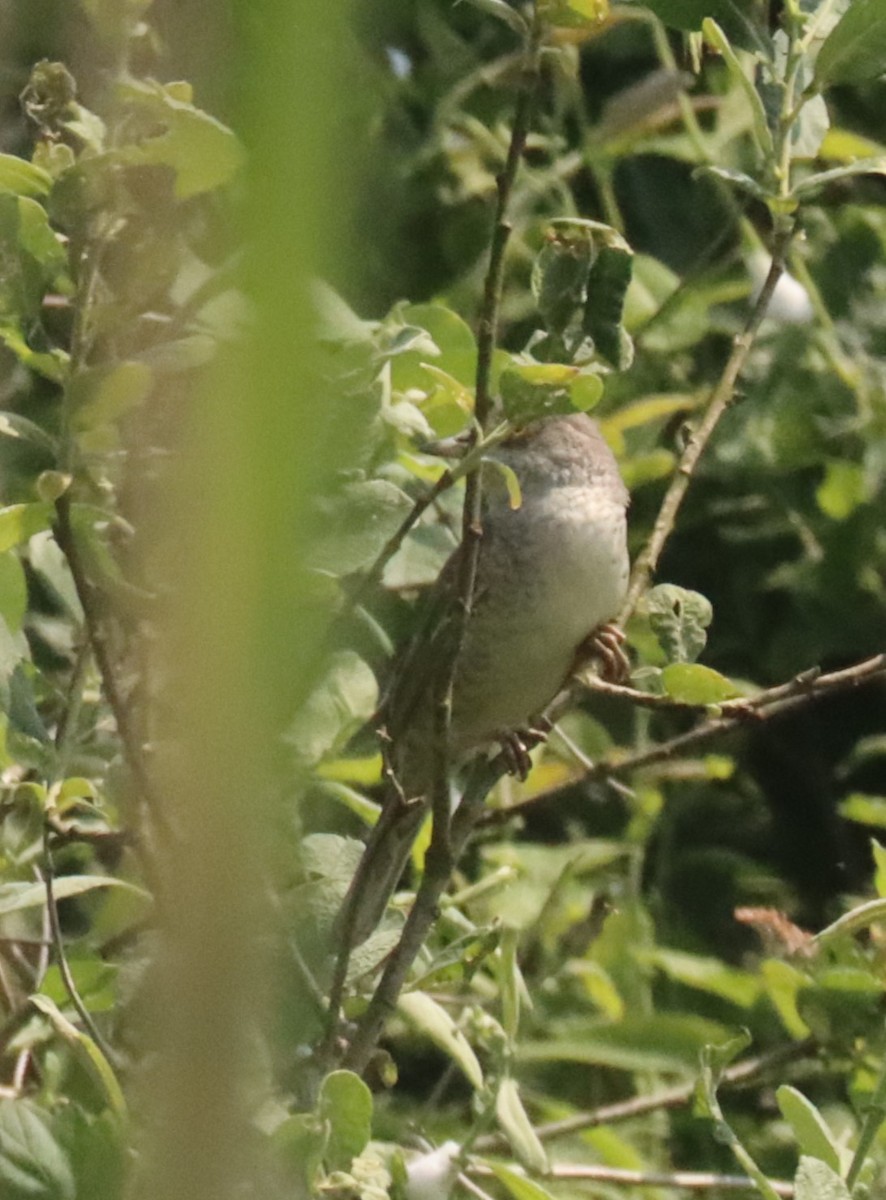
[809,1127]
[345,1102]
[855,50]
[431,1019]
[517,1127]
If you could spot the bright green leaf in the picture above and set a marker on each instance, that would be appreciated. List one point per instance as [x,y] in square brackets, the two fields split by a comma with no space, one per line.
[434,1021]
[23,178]
[13,591]
[517,1185]
[517,1127]
[345,1102]
[808,1125]
[716,37]
[19,522]
[693,683]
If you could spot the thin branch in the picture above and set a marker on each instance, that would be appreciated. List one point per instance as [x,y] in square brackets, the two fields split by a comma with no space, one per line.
[421,917]
[449,833]
[721,398]
[775,702]
[637,1106]
[61,957]
[691,1181]
[92,603]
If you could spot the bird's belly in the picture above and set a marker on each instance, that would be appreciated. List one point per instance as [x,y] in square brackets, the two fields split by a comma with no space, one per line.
[522,639]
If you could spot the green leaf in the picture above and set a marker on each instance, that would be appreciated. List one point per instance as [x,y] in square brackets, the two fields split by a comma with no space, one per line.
[560,277]
[855,49]
[666,1042]
[203,153]
[101,395]
[13,425]
[346,697]
[679,619]
[736,179]
[865,809]
[717,38]
[13,591]
[517,1127]
[692,683]
[585,391]
[345,1102]
[508,476]
[434,1021]
[603,318]
[90,1056]
[517,1185]
[51,364]
[879,855]
[33,1165]
[23,178]
[19,522]
[536,390]
[842,490]
[355,524]
[706,975]
[715,1058]
[862,166]
[784,984]
[808,1125]
[815,1180]
[15,897]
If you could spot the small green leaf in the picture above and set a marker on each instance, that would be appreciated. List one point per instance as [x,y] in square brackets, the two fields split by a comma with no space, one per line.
[13,591]
[509,477]
[517,1185]
[862,166]
[19,522]
[101,395]
[815,1180]
[809,1127]
[23,178]
[585,391]
[603,318]
[435,1022]
[855,49]
[865,809]
[715,1058]
[530,391]
[560,277]
[88,1052]
[573,14]
[693,683]
[715,36]
[346,1103]
[679,619]
[736,179]
[879,855]
[518,1129]
[14,897]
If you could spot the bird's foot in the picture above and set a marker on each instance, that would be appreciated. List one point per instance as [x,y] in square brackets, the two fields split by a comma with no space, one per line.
[605,647]
[516,745]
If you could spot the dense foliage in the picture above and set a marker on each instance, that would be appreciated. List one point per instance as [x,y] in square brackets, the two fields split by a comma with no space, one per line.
[658,962]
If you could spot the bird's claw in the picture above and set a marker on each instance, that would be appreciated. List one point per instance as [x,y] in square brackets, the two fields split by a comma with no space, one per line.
[605,646]
[516,745]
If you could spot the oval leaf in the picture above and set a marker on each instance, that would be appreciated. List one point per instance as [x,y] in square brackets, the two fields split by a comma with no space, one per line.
[855,50]
[434,1021]
[808,1125]
[692,683]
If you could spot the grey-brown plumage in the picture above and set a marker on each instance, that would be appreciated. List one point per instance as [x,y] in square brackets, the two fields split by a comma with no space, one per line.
[550,572]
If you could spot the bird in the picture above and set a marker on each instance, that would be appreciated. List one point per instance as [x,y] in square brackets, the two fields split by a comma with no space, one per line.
[552,572]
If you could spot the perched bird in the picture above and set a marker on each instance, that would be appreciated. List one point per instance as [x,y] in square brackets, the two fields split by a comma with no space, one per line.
[551,573]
